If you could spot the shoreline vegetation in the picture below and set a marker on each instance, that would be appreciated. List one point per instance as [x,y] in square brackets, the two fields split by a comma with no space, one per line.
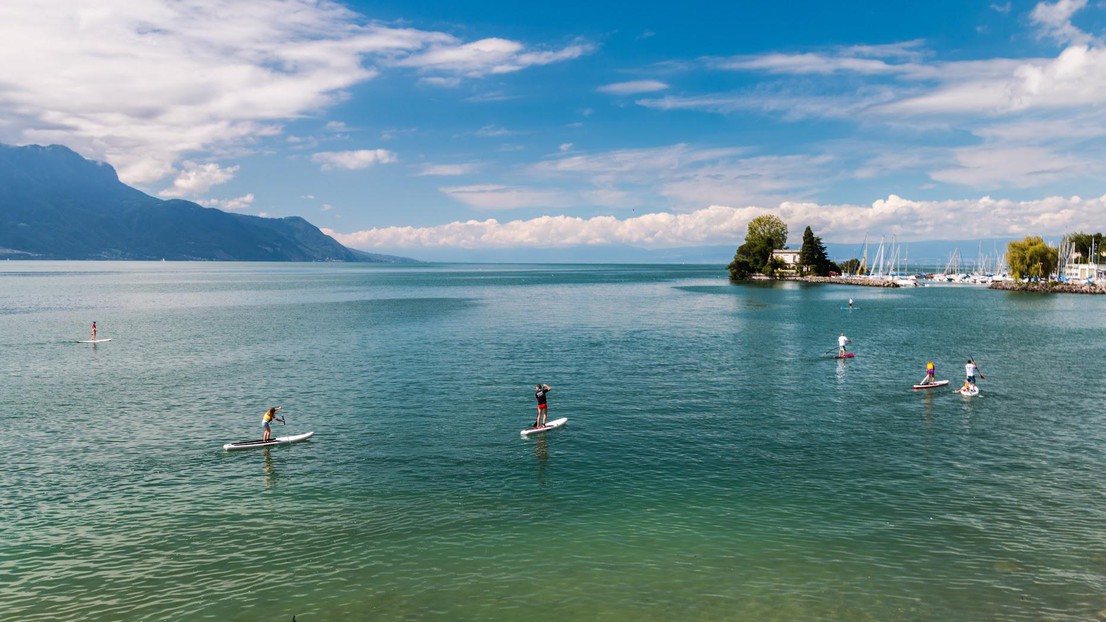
[1031,265]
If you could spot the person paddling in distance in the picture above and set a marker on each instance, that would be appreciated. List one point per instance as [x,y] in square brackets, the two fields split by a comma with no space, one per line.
[543,410]
[94,330]
[269,416]
[841,341]
[850,303]
[931,374]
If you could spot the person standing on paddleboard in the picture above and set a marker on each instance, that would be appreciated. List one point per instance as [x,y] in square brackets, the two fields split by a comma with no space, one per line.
[850,303]
[543,410]
[970,370]
[269,416]
[931,374]
[94,330]
[841,341]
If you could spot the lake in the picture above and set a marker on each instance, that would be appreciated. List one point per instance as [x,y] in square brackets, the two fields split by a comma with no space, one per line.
[718,463]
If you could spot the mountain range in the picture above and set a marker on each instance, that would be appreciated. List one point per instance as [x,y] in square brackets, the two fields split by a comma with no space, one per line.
[55,204]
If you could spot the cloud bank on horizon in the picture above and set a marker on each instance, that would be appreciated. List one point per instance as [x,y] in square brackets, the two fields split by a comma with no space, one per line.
[457,133]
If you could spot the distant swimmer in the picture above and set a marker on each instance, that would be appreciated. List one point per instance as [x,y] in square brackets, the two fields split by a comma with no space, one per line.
[931,374]
[841,341]
[543,409]
[269,416]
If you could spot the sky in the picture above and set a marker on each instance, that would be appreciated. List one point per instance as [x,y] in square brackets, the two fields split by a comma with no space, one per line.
[451,127]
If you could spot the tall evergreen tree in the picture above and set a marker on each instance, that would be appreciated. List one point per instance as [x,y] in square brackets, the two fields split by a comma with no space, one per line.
[812,255]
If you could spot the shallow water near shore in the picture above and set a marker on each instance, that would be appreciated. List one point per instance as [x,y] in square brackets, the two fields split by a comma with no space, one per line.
[718,463]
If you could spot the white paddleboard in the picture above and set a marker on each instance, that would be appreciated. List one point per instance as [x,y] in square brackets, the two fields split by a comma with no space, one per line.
[549,425]
[968,392]
[95,340]
[280,440]
[934,385]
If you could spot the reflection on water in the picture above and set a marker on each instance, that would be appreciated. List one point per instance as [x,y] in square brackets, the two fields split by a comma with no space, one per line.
[267,469]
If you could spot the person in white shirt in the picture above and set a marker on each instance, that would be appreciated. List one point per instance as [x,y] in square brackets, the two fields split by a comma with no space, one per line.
[841,341]
[970,370]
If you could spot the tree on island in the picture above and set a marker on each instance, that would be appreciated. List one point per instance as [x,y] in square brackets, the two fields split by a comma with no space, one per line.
[766,234]
[812,255]
[1031,258]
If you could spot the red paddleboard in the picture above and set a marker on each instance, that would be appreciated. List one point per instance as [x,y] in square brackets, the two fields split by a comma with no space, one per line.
[848,355]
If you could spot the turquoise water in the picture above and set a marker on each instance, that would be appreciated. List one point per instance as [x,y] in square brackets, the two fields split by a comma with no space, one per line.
[718,464]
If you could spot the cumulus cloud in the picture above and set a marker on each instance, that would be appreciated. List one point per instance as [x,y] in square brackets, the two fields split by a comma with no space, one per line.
[353,160]
[144,85]
[908,220]
[239,203]
[633,88]
[196,179]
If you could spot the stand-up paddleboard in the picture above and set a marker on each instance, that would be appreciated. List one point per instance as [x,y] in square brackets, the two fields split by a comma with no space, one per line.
[848,355]
[280,440]
[549,425]
[94,340]
[932,385]
[968,392]
[849,308]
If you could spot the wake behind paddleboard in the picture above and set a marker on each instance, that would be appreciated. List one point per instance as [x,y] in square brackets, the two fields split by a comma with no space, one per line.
[280,440]
[549,425]
[94,340]
[933,385]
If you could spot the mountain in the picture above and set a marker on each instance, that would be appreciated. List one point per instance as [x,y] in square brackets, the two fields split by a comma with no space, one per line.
[54,204]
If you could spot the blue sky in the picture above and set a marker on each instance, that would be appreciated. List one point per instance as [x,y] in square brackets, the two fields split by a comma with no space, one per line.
[444,126]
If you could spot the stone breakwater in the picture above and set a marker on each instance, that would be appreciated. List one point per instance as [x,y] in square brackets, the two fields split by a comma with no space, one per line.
[841,281]
[1049,287]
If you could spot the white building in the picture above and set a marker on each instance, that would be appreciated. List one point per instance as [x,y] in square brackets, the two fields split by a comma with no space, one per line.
[790,259]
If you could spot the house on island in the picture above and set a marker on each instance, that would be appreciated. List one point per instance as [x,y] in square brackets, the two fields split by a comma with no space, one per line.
[790,260]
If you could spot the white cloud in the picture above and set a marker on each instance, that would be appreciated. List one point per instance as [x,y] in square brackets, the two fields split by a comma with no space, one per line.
[1018,167]
[326,207]
[907,220]
[492,131]
[353,160]
[196,179]
[448,170]
[633,88]
[239,203]
[144,85]
[1054,20]
[440,81]
[497,197]
[487,56]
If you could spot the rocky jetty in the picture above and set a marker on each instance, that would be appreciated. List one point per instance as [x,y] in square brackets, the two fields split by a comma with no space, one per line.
[1049,287]
[841,280]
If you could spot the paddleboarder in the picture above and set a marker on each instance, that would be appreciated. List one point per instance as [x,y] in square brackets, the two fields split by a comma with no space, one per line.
[850,303]
[841,341]
[94,330]
[931,374]
[970,369]
[269,416]
[543,410]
